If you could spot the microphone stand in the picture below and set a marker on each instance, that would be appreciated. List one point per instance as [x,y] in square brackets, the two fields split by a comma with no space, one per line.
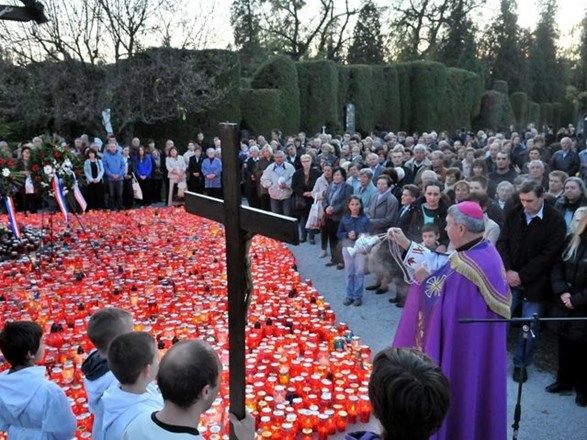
[526,332]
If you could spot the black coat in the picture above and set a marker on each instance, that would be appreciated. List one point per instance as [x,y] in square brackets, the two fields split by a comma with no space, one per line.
[413,220]
[571,276]
[532,249]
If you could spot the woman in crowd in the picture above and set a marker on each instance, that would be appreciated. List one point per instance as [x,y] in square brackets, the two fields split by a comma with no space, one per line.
[462,191]
[157,174]
[175,166]
[303,182]
[94,172]
[569,284]
[479,168]
[212,172]
[319,193]
[334,205]
[430,208]
[263,193]
[128,197]
[26,198]
[352,224]
[327,155]
[143,168]
[383,214]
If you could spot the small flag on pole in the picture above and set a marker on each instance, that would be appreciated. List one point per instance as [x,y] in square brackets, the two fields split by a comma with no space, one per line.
[59,198]
[12,216]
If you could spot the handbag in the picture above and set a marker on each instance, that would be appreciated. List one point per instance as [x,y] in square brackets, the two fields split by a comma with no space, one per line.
[315,215]
[181,187]
[299,203]
[136,188]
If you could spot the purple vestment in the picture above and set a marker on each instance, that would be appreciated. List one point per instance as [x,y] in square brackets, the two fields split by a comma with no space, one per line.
[473,356]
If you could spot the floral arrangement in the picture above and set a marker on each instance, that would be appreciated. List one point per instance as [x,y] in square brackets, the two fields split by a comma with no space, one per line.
[10,179]
[49,161]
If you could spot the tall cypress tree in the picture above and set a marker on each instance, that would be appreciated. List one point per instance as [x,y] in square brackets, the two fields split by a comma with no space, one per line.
[504,49]
[245,20]
[367,46]
[458,48]
[545,70]
[582,74]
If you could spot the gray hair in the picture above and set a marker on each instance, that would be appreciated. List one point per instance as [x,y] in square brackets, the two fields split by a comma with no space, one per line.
[420,147]
[366,172]
[579,182]
[536,162]
[254,149]
[474,225]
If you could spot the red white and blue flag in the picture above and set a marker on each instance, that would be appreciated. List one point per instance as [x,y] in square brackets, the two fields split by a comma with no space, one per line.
[59,197]
[12,216]
[79,197]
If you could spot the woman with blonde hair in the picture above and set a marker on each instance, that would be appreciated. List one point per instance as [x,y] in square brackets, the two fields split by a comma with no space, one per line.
[569,284]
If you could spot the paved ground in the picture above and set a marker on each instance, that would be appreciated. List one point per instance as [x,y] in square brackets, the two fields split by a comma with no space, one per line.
[544,416]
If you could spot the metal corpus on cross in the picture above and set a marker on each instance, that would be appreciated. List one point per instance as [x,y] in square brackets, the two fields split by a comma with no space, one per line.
[241,223]
[32,10]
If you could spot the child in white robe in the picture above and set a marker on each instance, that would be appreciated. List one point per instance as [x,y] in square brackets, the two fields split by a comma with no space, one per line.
[103,327]
[31,407]
[133,358]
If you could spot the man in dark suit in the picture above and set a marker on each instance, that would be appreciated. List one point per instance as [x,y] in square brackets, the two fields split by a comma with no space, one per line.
[566,159]
[195,178]
[530,242]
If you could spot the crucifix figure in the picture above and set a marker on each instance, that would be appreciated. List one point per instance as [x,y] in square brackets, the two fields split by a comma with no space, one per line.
[32,10]
[241,223]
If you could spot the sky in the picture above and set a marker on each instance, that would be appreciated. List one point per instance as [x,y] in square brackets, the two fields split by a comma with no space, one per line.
[570,13]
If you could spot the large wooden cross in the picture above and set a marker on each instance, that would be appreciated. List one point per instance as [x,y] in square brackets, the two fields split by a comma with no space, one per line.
[241,223]
[32,10]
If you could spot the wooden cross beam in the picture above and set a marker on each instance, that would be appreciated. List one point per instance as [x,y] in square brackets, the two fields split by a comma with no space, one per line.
[32,10]
[240,224]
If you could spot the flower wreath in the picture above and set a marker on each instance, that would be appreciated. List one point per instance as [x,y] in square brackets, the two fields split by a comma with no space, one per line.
[49,161]
[10,179]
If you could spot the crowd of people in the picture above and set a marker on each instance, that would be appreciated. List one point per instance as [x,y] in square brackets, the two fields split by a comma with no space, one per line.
[517,199]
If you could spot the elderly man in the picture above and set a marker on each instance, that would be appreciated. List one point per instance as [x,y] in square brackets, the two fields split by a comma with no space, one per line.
[277,180]
[418,163]
[470,283]
[566,159]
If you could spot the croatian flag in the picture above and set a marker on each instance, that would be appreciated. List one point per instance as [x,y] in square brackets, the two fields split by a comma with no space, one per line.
[79,197]
[12,216]
[59,198]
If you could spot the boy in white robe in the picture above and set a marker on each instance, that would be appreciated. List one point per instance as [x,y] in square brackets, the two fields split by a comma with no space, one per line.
[103,327]
[133,358]
[31,407]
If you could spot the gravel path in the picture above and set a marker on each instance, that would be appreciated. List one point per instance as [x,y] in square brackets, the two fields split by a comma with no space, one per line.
[544,416]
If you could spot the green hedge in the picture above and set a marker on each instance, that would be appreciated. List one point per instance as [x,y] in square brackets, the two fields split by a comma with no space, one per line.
[386,98]
[261,110]
[462,101]
[550,114]
[519,101]
[280,72]
[404,73]
[319,98]
[428,94]
[500,86]
[496,111]
[533,113]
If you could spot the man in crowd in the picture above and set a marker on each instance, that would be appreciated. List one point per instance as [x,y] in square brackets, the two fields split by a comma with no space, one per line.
[503,170]
[566,159]
[277,179]
[530,242]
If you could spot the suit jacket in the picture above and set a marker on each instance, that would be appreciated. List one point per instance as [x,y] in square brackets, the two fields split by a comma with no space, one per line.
[339,202]
[569,163]
[383,214]
[532,249]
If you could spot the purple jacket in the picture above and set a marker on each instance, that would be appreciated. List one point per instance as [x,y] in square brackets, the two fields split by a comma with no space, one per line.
[362,435]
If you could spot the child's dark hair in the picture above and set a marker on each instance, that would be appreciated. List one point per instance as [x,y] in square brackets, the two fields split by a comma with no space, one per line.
[410,395]
[354,197]
[129,354]
[18,339]
[430,227]
[105,325]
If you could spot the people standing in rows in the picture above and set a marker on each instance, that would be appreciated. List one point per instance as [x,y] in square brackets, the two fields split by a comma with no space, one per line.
[277,179]
[143,168]
[94,172]
[212,173]
[334,204]
[303,182]
[176,170]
